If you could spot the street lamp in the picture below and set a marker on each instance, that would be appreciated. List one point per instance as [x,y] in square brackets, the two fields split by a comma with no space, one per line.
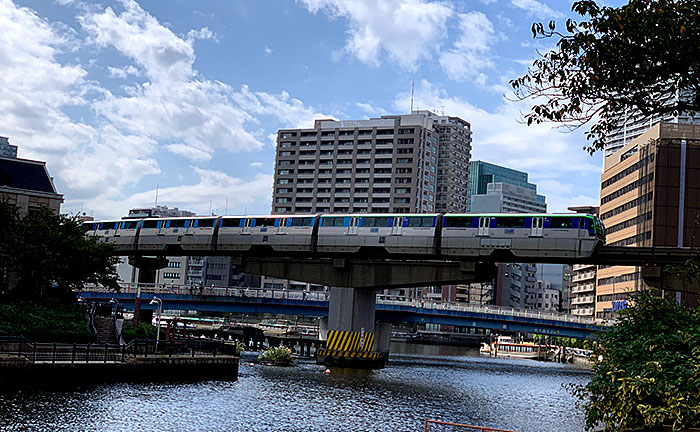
[159,302]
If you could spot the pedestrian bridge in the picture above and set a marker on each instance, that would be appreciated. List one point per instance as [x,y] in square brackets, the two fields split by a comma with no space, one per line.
[389,309]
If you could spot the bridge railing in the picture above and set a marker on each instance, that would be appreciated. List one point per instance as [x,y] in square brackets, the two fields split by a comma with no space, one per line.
[465,307]
[254,292]
[212,290]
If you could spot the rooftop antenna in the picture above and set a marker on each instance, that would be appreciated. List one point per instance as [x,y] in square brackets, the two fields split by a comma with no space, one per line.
[413,84]
[226,211]
[209,207]
[443,110]
[156,204]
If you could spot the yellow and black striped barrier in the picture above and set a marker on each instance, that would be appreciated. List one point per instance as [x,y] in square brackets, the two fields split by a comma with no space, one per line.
[350,348]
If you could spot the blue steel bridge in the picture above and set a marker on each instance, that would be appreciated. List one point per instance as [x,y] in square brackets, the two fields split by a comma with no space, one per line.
[389,309]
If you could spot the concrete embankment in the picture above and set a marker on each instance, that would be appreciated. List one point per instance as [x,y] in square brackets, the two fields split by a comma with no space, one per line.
[19,370]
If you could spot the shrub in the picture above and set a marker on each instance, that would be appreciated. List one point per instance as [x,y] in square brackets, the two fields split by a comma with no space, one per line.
[646,369]
[142,331]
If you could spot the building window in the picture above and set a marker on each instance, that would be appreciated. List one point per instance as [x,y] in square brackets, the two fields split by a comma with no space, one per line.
[167,275]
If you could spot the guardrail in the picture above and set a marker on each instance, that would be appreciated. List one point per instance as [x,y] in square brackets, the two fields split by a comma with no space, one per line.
[38,352]
[254,292]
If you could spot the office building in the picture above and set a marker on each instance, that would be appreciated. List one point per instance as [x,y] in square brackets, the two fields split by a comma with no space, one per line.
[498,189]
[381,165]
[502,190]
[650,196]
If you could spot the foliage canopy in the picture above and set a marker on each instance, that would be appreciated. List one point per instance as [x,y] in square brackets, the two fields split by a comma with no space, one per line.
[46,255]
[646,369]
[638,60]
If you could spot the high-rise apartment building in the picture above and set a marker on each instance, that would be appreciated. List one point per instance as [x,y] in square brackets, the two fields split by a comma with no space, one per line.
[412,163]
[498,189]
[583,278]
[380,165]
[650,196]
[633,125]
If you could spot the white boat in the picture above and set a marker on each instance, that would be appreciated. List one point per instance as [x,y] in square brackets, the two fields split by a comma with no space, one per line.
[505,346]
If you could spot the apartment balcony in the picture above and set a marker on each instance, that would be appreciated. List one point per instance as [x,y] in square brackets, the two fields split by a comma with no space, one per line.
[194,273]
[580,300]
[577,267]
[583,276]
[306,175]
[195,262]
[583,311]
[311,156]
[590,287]
[382,175]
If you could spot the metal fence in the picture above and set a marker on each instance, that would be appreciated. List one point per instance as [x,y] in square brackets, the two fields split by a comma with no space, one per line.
[38,352]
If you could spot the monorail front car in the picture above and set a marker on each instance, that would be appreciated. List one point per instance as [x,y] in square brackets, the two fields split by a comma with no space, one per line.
[450,235]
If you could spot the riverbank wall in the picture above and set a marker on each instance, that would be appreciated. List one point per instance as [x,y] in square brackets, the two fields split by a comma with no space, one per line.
[19,370]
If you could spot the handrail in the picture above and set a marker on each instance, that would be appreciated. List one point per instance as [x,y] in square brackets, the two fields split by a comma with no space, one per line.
[477,428]
[85,353]
[257,292]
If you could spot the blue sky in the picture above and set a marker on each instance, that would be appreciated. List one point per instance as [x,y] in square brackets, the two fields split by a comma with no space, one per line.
[123,98]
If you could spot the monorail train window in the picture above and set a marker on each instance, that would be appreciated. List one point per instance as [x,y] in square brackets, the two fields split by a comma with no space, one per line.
[107,225]
[333,221]
[561,222]
[205,223]
[150,224]
[421,221]
[374,221]
[458,222]
[510,222]
[265,222]
[129,224]
[88,226]
[177,223]
[230,223]
[302,221]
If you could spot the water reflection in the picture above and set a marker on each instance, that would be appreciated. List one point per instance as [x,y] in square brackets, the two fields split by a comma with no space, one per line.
[420,382]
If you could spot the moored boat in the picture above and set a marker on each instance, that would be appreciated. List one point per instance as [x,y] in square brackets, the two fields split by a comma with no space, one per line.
[505,346]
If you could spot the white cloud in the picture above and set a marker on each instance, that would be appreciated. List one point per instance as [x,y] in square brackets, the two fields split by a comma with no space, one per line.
[471,52]
[408,31]
[122,73]
[540,150]
[537,9]
[97,162]
[370,109]
[177,104]
[256,164]
[213,189]
[204,33]
[268,50]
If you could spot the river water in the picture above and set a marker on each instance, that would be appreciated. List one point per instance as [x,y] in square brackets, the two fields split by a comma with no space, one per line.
[441,383]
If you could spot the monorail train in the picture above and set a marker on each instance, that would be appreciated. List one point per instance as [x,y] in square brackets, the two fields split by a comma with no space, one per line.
[451,235]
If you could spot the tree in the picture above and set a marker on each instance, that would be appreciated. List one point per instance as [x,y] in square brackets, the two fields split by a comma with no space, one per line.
[640,59]
[646,369]
[49,255]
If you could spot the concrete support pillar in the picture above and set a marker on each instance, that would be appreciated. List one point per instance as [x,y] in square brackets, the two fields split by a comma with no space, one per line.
[351,338]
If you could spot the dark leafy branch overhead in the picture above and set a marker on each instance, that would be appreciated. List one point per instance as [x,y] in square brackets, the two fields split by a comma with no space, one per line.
[641,59]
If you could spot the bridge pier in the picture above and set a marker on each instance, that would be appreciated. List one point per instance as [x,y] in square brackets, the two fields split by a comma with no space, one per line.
[351,336]
[147,267]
